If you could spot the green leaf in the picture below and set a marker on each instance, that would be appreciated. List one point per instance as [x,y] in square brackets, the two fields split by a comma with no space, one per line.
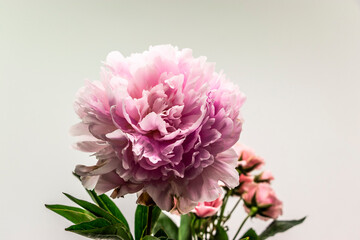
[185,227]
[155,215]
[101,228]
[141,215]
[247,238]
[148,237]
[113,209]
[196,224]
[97,223]
[279,226]
[167,225]
[221,234]
[97,211]
[140,221]
[161,234]
[251,235]
[73,214]
[108,205]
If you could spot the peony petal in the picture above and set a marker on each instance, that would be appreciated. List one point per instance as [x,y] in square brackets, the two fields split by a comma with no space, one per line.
[152,122]
[90,146]
[162,195]
[161,122]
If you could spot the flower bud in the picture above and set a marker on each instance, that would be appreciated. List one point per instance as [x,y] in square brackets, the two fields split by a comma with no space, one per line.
[248,160]
[208,209]
[244,182]
[263,197]
[265,176]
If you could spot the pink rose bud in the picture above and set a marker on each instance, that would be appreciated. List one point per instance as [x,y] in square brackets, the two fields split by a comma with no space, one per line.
[260,201]
[248,160]
[207,209]
[265,176]
[244,182]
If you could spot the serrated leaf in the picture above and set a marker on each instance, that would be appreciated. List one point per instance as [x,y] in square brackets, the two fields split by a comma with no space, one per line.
[101,228]
[279,226]
[97,211]
[73,214]
[185,227]
[250,234]
[108,205]
[221,234]
[167,225]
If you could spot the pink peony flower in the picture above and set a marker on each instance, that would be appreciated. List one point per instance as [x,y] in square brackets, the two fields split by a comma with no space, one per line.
[160,122]
[263,197]
[248,160]
[208,209]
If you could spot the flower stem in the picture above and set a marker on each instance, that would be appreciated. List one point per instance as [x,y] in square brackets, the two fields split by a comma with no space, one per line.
[149,216]
[232,210]
[242,224]
[252,213]
[223,207]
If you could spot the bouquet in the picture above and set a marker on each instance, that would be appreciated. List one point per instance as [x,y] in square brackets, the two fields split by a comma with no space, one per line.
[165,126]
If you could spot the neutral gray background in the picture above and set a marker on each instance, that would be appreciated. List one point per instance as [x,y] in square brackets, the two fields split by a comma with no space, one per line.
[297,61]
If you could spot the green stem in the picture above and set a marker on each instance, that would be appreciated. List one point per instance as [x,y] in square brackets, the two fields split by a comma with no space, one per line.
[149,216]
[223,207]
[232,210]
[242,224]
[252,213]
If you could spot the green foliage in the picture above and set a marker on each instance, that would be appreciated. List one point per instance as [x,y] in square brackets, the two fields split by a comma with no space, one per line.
[140,221]
[101,228]
[167,225]
[141,215]
[161,234]
[103,220]
[251,235]
[73,214]
[156,211]
[108,205]
[185,227]
[97,211]
[274,228]
[279,226]
[148,237]
[221,234]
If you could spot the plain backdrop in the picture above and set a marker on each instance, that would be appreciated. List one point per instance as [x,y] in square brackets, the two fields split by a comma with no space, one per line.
[298,62]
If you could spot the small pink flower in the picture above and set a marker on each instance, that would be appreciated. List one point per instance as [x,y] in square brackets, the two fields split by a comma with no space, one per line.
[245,181]
[262,197]
[207,209]
[265,176]
[248,160]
